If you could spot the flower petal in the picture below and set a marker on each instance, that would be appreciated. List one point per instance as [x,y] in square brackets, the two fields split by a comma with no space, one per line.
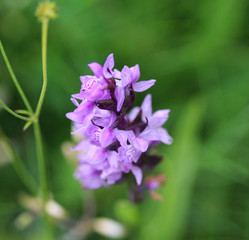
[140,144]
[122,136]
[84,108]
[78,118]
[113,159]
[96,69]
[135,73]
[116,74]
[126,76]
[159,134]
[108,66]
[165,137]
[137,172]
[106,137]
[75,102]
[80,95]
[88,177]
[146,107]
[133,114]
[158,118]
[143,85]
[120,96]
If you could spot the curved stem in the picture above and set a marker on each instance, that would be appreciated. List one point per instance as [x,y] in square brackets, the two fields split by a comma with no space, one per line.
[19,89]
[44,65]
[13,113]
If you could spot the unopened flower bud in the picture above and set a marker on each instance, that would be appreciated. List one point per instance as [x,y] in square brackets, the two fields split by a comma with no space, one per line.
[46,10]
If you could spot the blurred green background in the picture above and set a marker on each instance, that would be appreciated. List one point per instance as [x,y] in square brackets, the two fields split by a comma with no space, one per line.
[198,50]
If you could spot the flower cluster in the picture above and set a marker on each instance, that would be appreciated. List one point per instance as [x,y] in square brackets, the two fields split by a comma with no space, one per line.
[116,139]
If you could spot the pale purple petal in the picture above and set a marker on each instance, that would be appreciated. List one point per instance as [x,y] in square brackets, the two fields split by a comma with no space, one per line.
[78,118]
[88,177]
[84,108]
[122,136]
[133,114]
[92,183]
[75,102]
[165,137]
[159,134]
[143,85]
[112,119]
[106,137]
[113,159]
[135,73]
[146,107]
[126,76]
[98,156]
[158,118]
[140,144]
[80,95]
[137,172]
[128,154]
[84,80]
[96,69]
[116,74]
[95,93]
[108,66]
[114,177]
[120,96]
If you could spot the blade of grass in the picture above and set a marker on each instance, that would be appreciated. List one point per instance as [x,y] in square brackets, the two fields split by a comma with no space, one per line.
[168,219]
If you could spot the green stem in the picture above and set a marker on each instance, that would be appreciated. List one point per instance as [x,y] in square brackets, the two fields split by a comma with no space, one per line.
[13,113]
[18,165]
[41,162]
[43,179]
[19,89]
[37,132]
[44,65]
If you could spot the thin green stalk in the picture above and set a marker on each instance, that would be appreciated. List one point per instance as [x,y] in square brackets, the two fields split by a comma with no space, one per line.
[12,112]
[19,89]
[18,165]
[41,162]
[43,179]
[37,132]
[44,65]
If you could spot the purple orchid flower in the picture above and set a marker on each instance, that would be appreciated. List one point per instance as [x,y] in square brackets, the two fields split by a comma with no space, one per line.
[114,142]
[129,77]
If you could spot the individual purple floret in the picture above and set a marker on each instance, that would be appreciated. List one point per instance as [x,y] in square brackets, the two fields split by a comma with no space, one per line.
[116,139]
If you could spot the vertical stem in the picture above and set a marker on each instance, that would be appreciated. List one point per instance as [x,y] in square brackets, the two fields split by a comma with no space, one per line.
[44,65]
[43,179]
[37,132]
[41,162]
